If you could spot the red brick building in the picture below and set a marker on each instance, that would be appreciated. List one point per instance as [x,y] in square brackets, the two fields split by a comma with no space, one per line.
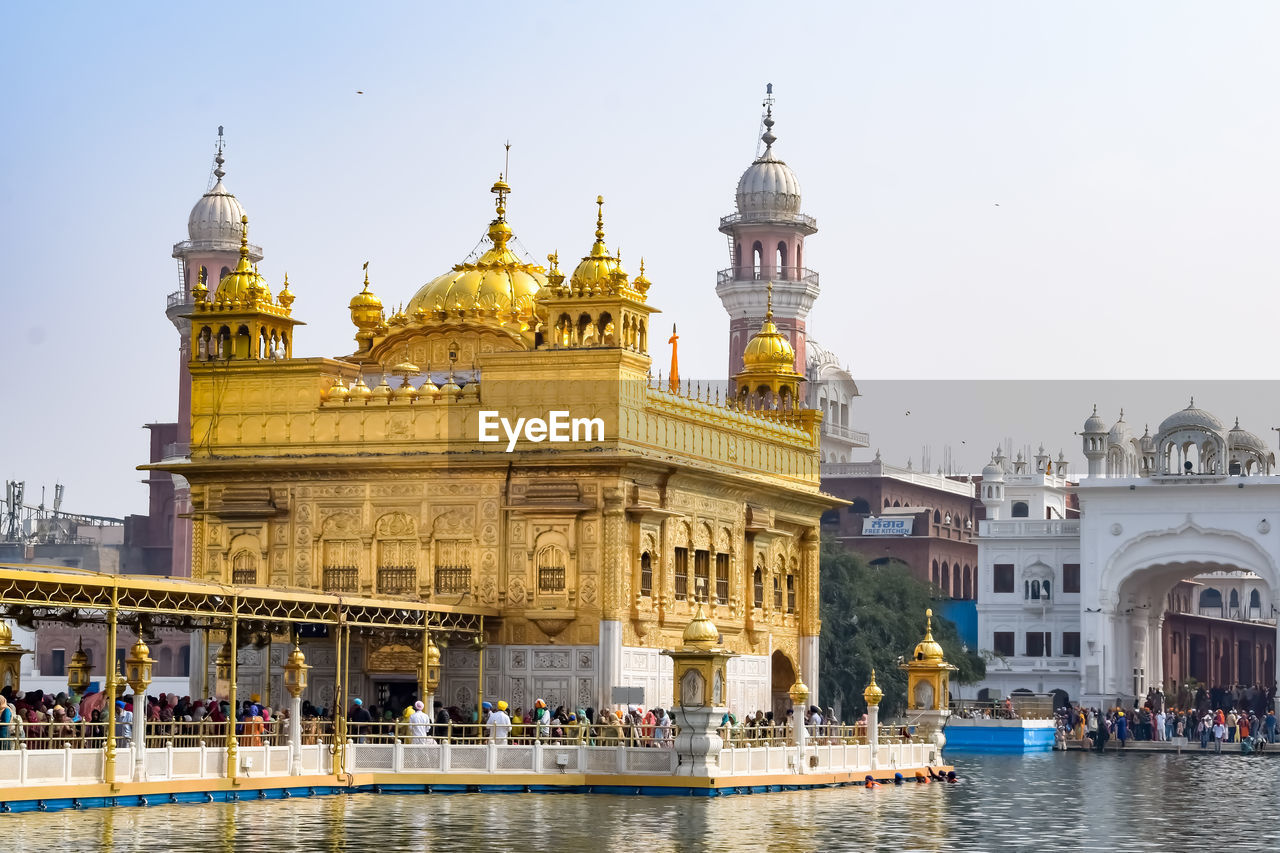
[936,545]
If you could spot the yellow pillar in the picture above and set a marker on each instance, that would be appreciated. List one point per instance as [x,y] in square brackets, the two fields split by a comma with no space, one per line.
[109,757]
[232,744]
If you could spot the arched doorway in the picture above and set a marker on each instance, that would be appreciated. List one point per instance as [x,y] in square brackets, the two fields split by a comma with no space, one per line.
[1134,584]
[783,676]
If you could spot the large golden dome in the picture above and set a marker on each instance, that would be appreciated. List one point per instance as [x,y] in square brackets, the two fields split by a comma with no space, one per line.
[243,284]
[497,287]
[769,351]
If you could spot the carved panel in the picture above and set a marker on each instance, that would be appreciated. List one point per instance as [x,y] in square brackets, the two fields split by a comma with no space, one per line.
[544,660]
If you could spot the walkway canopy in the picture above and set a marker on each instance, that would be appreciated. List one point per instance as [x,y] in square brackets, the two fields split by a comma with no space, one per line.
[30,594]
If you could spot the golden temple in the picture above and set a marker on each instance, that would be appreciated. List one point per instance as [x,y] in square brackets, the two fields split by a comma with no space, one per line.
[588,551]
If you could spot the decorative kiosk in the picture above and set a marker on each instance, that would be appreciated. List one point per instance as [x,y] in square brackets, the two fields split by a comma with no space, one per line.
[928,692]
[700,694]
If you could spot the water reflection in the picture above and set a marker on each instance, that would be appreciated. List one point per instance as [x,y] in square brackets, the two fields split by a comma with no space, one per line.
[1042,802]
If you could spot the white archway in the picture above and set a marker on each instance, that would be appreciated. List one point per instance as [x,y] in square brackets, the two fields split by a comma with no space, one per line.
[1134,586]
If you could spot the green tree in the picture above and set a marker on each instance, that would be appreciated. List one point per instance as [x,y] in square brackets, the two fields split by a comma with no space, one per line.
[873,616]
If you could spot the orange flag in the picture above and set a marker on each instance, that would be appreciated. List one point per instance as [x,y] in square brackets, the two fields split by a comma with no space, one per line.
[674,381]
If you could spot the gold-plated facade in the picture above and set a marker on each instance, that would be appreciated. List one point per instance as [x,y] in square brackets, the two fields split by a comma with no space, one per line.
[320,474]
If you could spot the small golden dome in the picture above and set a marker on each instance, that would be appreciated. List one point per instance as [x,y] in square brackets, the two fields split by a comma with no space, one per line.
[495,287]
[927,649]
[769,351]
[285,297]
[366,309]
[701,632]
[799,693]
[383,390]
[641,282]
[339,392]
[79,658]
[599,271]
[243,285]
[873,694]
[200,290]
[6,633]
[360,391]
[140,652]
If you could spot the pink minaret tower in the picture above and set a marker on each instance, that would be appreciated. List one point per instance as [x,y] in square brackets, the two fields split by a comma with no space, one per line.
[766,243]
[210,251]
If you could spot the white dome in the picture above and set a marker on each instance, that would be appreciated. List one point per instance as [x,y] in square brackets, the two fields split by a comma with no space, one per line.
[1119,432]
[769,186]
[1094,423]
[1242,438]
[216,216]
[1191,417]
[992,473]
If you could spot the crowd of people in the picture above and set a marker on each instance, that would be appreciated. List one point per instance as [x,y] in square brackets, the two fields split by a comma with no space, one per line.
[1236,714]
[36,720]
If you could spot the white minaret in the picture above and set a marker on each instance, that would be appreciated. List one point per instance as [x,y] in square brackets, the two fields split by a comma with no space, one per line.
[993,487]
[766,243]
[1094,438]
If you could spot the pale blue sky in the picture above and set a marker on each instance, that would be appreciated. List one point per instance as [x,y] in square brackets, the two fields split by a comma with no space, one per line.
[1131,148]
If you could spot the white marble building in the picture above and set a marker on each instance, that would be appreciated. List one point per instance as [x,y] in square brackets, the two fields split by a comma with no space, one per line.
[1194,501]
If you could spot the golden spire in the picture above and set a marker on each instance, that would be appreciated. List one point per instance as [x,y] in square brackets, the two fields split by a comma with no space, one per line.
[244,239]
[598,249]
[499,230]
[768,313]
[201,289]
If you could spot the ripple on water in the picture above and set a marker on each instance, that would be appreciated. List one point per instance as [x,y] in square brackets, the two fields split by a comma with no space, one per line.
[1045,802]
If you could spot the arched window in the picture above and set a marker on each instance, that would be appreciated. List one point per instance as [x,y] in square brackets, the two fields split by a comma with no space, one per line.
[937,517]
[936,575]
[550,562]
[946,579]
[1020,509]
[781,269]
[1235,602]
[955,581]
[757,587]
[244,569]
[646,574]
[1255,604]
[757,258]
[968,584]
[1210,602]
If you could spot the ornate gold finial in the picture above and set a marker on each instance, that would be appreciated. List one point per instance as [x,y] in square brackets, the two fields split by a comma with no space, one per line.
[928,624]
[501,189]
[244,238]
[201,289]
[768,314]
[366,276]
[600,218]
[285,296]
[873,694]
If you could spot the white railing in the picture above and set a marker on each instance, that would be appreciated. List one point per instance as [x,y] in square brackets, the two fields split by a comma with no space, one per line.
[529,757]
[906,475]
[69,765]
[1049,527]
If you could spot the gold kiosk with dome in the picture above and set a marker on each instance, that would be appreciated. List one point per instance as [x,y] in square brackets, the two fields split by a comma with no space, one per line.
[699,670]
[928,687]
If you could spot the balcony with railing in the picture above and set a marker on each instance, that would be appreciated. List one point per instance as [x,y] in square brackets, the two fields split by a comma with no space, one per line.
[397,580]
[453,580]
[340,579]
[1030,528]
[857,437]
[803,220]
[767,273]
